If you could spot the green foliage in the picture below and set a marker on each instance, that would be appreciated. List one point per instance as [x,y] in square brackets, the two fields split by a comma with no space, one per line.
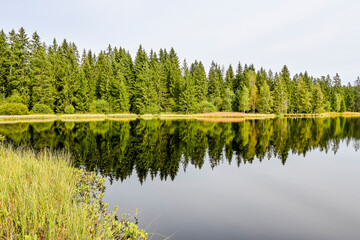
[14,109]
[206,107]
[318,100]
[280,96]
[69,109]
[42,108]
[44,198]
[265,102]
[55,75]
[303,96]
[15,98]
[100,106]
[243,99]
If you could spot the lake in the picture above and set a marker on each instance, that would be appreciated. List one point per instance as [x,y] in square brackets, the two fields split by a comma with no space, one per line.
[190,179]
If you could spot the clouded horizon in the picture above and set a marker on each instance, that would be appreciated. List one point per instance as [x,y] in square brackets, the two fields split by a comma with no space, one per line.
[320,36]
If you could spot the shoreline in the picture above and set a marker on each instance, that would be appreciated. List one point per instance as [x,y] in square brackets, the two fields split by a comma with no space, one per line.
[217,116]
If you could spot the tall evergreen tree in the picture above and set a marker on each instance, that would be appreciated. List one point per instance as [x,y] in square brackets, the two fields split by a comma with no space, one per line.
[4,65]
[159,80]
[199,75]
[285,76]
[251,76]
[280,95]
[318,99]
[187,100]
[18,80]
[42,85]
[303,96]
[215,85]
[265,102]
[174,78]
[243,99]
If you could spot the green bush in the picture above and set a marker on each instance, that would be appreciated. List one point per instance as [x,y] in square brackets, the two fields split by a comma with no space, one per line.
[15,98]
[14,109]
[205,107]
[42,108]
[100,106]
[69,109]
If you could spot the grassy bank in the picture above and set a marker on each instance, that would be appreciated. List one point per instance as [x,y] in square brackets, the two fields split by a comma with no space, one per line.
[216,116]
[43,197]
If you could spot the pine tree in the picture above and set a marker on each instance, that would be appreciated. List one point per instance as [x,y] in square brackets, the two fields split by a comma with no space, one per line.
[303,96]
[285,76]
[318,99]
[145,95]
[159,80]
[119,93]
[174,79]
[19,80]
[140,60]
[251,76]
[87,82]
[243,99]
[42,85]
[199,75]
[229,78]
[237,83]
[265,102]
[215,85]
[187,100]
[103,76]
[4,65]
[280,96]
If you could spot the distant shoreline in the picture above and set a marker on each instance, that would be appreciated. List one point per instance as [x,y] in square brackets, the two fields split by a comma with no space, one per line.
[216,116]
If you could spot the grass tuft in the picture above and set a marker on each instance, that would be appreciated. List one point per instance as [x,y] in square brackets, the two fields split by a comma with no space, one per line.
[43,197]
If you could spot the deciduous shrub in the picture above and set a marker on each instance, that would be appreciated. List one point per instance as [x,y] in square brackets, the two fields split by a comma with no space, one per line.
[205,107]
[100,106]
[69,109]
[14,109]
[42,108]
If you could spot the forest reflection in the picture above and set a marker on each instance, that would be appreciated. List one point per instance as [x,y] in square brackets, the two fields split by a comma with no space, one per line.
[160,148]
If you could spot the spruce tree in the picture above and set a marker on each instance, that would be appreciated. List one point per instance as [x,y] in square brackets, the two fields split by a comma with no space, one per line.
[159,80]
[243,99]
[42,85]
[280,96]
[237,83]
[303,97]
[285,75]
[174,79]
[199,75]
[19,80]
[265,102]
[103,76]
[187,99]
[318,99]
[4,65]
[215,85]
[251,76]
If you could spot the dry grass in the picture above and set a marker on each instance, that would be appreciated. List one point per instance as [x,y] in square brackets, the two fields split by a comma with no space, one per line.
[168,116]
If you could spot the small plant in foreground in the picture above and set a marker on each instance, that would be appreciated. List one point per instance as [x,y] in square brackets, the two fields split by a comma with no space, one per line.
[42,197]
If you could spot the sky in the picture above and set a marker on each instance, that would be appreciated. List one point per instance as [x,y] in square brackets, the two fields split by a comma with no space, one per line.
[318,36]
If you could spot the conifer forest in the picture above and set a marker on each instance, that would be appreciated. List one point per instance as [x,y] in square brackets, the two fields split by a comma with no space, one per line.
[58,78]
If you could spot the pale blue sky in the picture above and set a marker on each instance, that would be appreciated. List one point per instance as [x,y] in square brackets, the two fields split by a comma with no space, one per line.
[321,36]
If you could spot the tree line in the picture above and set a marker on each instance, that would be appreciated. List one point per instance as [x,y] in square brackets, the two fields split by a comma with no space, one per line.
[56,78]
[159,148]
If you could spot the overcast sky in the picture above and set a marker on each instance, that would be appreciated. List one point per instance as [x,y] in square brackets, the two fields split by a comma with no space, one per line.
[320,36]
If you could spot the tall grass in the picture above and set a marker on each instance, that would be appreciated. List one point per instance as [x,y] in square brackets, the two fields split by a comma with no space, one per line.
[43,197]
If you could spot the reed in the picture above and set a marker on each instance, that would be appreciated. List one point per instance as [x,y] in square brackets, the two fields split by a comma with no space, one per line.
[43,197]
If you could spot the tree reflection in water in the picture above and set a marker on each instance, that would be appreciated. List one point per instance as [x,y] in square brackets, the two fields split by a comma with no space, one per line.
[159,148]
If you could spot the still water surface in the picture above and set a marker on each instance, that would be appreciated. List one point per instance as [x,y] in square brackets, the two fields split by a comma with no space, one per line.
[263,179]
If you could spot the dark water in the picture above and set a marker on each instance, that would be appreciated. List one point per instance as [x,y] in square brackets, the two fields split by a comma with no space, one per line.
[264,179]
